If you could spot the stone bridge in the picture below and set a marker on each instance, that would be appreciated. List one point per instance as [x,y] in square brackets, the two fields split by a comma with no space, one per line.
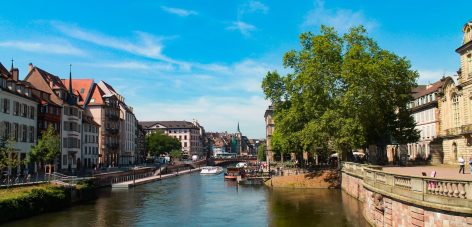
[226,161]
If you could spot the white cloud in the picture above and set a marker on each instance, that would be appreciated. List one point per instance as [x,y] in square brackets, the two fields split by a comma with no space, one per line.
[242,27]
[147,44]
[133,65]
[254,6]
[179,12]
[431,76]
[340,19]
[52,48]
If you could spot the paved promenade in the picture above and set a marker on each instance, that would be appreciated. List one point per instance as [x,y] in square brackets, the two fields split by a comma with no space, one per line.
[442,171]
[129,184]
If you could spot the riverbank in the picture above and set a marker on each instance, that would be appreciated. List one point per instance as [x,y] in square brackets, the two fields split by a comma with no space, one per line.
[27,201]
[146,180]
[319,179]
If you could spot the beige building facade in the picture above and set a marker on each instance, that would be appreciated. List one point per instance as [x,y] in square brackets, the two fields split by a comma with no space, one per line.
[455,105]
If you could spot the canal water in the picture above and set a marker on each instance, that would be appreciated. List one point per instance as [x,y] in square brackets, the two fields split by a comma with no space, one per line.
[194,200]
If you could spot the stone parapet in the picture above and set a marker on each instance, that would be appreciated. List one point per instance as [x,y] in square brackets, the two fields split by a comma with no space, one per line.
[403,200]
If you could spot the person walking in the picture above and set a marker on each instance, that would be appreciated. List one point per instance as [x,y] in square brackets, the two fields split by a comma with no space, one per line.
[470,164]
[461,165]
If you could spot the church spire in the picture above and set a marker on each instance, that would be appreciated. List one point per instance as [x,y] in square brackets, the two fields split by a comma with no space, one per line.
[70,79]
[238,128]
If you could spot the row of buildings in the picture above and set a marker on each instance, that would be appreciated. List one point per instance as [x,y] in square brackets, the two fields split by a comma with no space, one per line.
[95,124]
[442,112]
[224,144]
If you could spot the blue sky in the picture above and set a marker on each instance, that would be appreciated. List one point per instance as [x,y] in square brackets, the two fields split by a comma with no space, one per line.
[179,60]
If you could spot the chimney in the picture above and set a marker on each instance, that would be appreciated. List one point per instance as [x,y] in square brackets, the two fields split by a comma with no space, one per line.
[30,67]
[14,74]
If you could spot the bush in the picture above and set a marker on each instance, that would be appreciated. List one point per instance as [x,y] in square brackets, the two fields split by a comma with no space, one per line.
[39,200]
[86,190]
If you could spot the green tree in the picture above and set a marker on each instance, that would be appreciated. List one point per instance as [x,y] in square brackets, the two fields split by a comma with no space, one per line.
[159,143]
[48,148]
[8,155]
[261,152]
[175,154]
[343,92]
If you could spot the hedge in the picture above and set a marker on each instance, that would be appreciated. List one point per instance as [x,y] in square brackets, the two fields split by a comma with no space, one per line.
[43,199]
[39,200]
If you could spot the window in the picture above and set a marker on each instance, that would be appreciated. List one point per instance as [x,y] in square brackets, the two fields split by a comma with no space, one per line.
[185,144]
[455,110]
[15,131]
[82,91]
[31,112]
[24,133]
[5,106]
[31,134]
[24,110]
[16,108]
[64,159]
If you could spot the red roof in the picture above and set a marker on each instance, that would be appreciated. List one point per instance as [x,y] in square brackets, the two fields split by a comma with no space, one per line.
[82,88]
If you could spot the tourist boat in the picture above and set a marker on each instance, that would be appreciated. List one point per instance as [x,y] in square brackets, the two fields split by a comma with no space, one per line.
[241,165]
[232,173]
[211,170]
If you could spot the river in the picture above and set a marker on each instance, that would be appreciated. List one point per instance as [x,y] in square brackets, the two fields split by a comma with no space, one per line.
[194,200]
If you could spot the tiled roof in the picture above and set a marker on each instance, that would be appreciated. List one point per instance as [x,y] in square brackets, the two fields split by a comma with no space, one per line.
[423,90]
[48,77]
[169,124]
[82,88]
[4,72]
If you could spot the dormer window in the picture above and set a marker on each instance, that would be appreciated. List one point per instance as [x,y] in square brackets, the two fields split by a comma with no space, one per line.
[467,34]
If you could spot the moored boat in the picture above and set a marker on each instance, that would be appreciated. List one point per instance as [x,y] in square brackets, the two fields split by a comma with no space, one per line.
[232,173]
[211,170]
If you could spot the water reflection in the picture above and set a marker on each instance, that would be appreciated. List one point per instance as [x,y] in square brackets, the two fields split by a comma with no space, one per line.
[194,200]
[313,207]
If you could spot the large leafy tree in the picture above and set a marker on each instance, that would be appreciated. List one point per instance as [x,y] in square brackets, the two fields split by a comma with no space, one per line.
[48,148]
[343,92]
[159,143]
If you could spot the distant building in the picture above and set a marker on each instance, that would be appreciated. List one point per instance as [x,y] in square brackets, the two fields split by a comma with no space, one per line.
[71,115]
[269,122]
[141,144]
[18,112]
[90,130]
[127,129]
[190,134]
[425,111]
[455,105]
[105,111]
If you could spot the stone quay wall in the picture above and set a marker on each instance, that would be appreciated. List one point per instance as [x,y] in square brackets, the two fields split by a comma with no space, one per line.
[401,200]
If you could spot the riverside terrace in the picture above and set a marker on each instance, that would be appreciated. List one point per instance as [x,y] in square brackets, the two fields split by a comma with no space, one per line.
[398,196]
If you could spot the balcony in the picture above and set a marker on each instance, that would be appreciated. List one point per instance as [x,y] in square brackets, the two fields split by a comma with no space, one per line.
[464,129]
[112,130]
[112,146]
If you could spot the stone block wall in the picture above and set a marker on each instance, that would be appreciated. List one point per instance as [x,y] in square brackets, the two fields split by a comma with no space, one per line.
[382,210]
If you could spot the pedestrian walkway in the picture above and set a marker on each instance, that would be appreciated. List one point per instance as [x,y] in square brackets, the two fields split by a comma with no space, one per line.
[442,171]
[133,183]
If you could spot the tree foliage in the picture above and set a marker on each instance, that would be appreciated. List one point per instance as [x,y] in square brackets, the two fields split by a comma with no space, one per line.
[343,92]
[261,152]
[8,155]
[175,154]
[159,143]
[48,148]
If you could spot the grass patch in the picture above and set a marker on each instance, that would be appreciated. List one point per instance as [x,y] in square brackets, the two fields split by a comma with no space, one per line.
[16,192]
